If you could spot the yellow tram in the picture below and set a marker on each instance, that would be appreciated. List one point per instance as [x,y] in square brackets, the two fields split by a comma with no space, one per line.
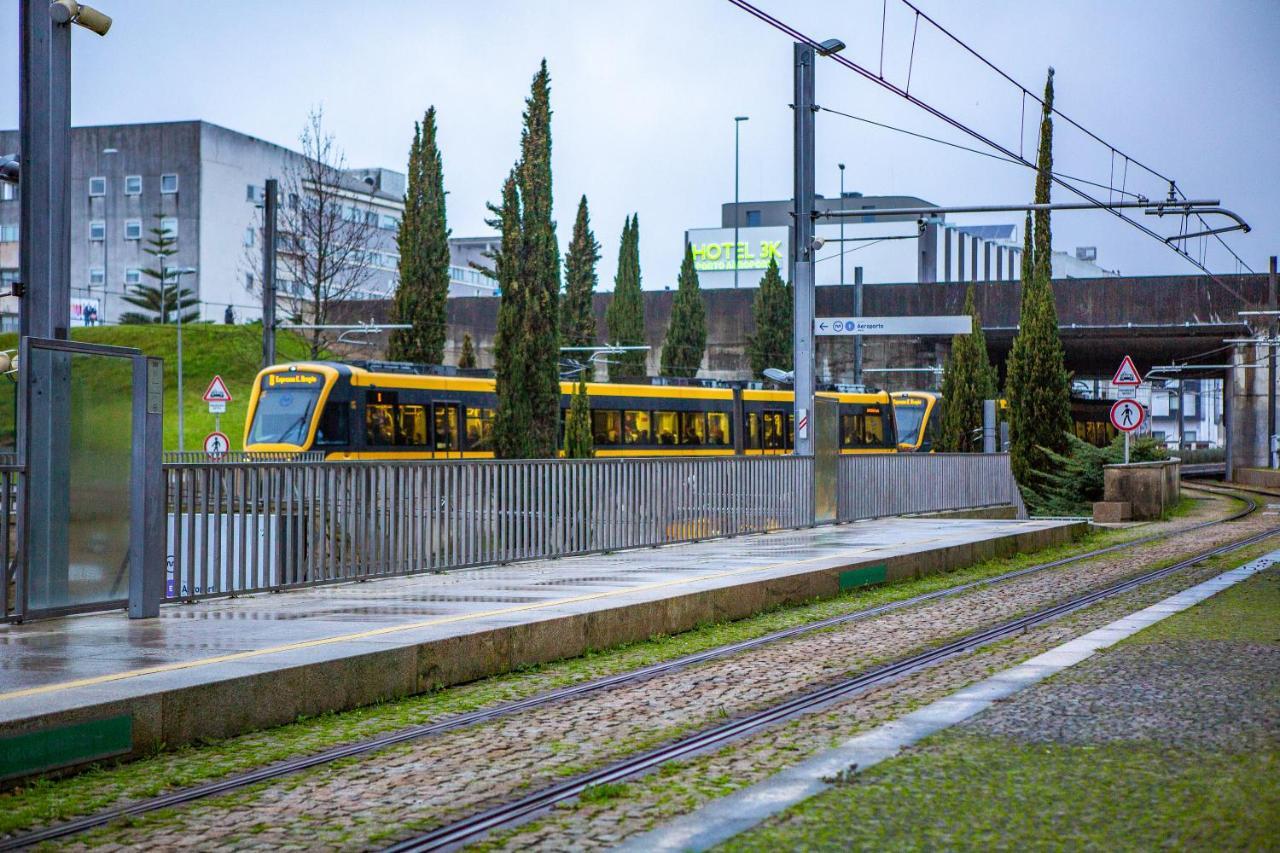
[386,410]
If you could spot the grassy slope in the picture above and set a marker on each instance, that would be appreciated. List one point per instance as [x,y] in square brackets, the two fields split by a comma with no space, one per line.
[234,352]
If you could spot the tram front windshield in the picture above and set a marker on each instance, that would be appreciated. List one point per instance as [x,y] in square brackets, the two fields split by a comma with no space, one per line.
[909,416]
[284,414]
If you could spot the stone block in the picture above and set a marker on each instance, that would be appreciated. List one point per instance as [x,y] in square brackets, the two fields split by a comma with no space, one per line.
[1112,512]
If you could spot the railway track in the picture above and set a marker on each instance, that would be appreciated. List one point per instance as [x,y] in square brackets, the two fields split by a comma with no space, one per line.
[281,769]
[513,813]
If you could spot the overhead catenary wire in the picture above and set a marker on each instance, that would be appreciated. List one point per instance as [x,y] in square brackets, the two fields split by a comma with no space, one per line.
[867,74]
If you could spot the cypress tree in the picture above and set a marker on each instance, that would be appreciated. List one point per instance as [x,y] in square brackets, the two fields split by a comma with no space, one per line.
[577,321]
[527,347]
[625,316]
[773,343]
[1038,385]
[969,379]
[423,240]
[686,339]
[577,423]
[467,358]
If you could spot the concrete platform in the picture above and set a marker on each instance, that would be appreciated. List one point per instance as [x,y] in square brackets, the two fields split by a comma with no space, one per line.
[88,687]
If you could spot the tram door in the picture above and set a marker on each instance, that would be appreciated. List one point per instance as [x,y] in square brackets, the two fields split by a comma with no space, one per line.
[775,439]
[447,440]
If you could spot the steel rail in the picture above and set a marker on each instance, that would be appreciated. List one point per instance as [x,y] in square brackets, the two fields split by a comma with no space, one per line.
[525,808]
[296,765]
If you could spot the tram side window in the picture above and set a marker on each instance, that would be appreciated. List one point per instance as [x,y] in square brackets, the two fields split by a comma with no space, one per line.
[606,427]
[718,428]
[636,428]
[774,438]
[666,427]
[413,425]
[863,428]
[334,428]
[446,417]
[379,419]
[791,431]
[693,429]
[479,428]
[752,430]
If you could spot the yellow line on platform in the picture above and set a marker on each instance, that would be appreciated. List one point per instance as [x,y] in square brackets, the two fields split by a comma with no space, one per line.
[392,629]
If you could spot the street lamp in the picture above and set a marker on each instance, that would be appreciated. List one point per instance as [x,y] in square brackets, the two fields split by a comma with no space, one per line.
[178,273]
[841,165]
[737,123]
[106,242]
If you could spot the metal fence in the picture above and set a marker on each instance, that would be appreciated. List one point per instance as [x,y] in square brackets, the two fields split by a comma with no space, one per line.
[241,527]
[874,486]
[199,456]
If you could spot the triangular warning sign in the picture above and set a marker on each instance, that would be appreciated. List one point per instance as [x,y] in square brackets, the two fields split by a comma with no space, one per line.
[1127,374]
[217,392]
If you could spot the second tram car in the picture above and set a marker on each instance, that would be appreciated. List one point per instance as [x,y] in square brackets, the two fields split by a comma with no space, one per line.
[394,411]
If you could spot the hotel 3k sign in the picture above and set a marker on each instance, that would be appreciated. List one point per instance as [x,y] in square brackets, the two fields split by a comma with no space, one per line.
[713,248]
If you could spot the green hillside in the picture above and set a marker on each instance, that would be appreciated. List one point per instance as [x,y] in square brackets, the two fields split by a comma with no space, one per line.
[233,352]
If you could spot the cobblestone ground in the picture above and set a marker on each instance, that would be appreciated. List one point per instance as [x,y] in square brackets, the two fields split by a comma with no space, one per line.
[364,804]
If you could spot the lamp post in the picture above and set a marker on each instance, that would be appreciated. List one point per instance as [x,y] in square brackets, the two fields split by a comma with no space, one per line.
[177,299]
[737,123]
[106,241]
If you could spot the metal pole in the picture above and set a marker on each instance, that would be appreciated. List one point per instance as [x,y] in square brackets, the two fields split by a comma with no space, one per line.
[857,312]
[736,212]
[269,272]
[1272,454]
[988,426]
[44,121]
[1182,421]
[146,491]
[1126,448]
[802,245]
[841,224]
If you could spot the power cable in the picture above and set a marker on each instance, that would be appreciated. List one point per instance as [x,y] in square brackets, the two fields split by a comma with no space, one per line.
[849,64]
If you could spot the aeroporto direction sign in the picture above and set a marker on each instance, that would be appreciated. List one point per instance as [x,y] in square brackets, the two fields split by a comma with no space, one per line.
[942,324]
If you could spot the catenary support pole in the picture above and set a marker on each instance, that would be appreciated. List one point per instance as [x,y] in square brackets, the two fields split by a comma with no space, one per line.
[802,246]
[1272,439]
[858,339]
[989,426]
[270,203]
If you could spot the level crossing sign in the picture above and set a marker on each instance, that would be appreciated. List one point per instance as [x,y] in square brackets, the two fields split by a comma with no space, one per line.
[1127,414]
[1127,374]
[217,392]
[216,445]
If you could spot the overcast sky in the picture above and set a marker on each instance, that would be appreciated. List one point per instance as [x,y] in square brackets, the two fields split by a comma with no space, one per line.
[644,96]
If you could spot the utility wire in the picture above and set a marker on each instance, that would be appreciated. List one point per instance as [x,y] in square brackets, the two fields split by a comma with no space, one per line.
[849,64]
[977,151]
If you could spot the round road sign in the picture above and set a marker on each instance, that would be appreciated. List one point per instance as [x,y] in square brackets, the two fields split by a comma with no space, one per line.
[1127,415]
[216,445]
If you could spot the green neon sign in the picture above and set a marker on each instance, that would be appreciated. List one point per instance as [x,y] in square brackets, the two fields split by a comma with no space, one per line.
[721,256]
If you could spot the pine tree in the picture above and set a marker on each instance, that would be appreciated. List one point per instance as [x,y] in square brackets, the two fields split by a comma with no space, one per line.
[423,240]
[773,343]
[577,320]
[686,339]
[625,315]
[969,379]
[1038,385]
[577,423]
[467,359]
[163,299]
[527,266]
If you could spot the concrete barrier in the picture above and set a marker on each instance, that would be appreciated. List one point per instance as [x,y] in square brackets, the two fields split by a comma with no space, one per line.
[1261,478]
[1150,488]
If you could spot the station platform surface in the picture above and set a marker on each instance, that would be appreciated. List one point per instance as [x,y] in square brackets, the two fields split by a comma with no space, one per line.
[225,666]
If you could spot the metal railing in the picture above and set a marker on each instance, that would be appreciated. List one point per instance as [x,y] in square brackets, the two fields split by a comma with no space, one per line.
[199,456]
[874,486]
[242,527]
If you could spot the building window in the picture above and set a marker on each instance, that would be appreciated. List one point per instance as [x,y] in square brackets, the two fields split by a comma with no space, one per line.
[248,281]
[390,223]
[97,186]
[133,276]
[254,194]
[8,233]
[8,192]
[97,277]
[97,230]
[868,217]
[169,225]
[753,218]
[293,201]
[133,185]
[249,236]
[168,183]
[133,229]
